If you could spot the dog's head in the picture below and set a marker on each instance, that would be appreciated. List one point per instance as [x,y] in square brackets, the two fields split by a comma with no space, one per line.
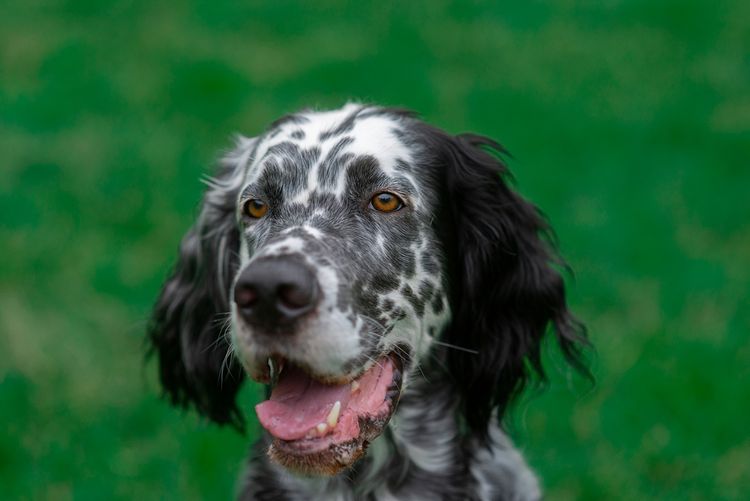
[335,254]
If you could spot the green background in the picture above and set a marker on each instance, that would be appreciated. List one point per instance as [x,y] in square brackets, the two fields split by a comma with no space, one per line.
[630,126]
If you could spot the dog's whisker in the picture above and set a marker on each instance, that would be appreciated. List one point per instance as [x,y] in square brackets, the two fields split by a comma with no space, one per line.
[455,347]
[226,326]
[225,366]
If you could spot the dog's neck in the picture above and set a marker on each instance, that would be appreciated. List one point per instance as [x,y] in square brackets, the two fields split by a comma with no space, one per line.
[421,455]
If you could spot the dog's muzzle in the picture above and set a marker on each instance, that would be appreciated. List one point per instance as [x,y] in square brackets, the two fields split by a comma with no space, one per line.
[273,293]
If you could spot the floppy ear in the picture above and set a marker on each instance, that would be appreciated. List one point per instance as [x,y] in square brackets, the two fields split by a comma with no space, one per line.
[506,288]
[190,321]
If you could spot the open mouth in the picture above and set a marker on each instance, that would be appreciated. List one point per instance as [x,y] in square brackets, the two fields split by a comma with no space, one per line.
[320,428]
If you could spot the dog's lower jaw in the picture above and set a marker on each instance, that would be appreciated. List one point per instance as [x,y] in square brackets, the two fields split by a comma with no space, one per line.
[326,463]
[419,455]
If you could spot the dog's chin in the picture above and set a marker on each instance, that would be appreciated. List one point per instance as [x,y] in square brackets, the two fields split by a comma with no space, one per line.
[318,428]
[326,457]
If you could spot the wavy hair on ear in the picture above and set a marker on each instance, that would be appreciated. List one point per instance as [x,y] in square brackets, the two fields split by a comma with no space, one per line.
[506,290]
[188,330]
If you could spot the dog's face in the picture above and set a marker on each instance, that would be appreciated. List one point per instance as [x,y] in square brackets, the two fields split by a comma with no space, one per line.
[340,279]
[351,249]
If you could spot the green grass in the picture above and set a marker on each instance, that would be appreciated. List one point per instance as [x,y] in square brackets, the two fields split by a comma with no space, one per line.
[630,126]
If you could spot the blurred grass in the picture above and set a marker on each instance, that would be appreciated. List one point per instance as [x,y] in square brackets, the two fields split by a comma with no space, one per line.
[630,124]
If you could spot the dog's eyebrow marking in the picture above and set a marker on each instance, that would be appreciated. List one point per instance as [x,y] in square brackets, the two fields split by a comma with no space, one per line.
[288,166]
[247,192]
[364,174]
[333,164]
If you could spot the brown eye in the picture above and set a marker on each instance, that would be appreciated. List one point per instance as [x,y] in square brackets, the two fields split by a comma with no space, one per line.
[255,208]
[386,202]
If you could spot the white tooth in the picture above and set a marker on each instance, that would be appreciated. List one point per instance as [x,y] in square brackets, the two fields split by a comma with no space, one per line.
[333,416]
[274,371]
[322,428]
[355,386]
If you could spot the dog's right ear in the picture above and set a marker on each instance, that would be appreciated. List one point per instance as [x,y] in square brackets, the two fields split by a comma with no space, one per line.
[189,326]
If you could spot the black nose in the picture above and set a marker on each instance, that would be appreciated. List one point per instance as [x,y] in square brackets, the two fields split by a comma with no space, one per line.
[274,292]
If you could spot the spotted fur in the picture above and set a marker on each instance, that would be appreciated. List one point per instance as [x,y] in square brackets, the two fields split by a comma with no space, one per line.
[462,282]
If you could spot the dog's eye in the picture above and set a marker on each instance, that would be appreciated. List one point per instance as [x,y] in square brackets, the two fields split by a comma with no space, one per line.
[255,208]
[386,202]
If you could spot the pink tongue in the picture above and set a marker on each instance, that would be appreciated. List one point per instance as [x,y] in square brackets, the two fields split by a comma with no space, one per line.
[298,404]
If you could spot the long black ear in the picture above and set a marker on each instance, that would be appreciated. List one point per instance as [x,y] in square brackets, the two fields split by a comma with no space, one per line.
[506,288]
[190,321]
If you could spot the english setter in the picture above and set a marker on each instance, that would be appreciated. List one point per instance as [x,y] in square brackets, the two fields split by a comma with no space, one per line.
[389,288]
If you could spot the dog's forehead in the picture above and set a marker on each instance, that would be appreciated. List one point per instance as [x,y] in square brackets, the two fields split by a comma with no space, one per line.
[320,146]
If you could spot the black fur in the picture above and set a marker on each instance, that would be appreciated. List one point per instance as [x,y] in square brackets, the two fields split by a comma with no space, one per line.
[188,325]
[505,286]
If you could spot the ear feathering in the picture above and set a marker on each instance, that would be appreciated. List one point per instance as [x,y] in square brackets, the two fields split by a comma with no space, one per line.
[187,330]
[506,290]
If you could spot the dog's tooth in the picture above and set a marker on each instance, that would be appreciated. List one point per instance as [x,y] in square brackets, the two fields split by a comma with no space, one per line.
[333,416]
[274,370]
[322,428]
[355,385]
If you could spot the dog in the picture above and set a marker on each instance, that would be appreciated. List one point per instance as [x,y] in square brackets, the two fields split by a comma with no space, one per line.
[388,286]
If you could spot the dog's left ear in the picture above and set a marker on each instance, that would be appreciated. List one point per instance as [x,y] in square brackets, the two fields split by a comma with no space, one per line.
[506,288]
[190,321]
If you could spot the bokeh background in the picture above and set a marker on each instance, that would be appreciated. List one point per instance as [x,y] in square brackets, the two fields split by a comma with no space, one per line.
[629,121]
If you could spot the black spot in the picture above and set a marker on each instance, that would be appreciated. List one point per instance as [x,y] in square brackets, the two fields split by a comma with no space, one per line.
[284,149]
[398,314]
[384,282]
[273,134]
[415,302]
[269,185]
[324,262]
[346,126]
[392,113]
[334,161]
[402,166]
[407,262]
[367,302]
[295,165]
[402,136]
[295,119]
[430,263]
[298,134]
[324,201]
[425,290]
[437,304]
[362,174]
